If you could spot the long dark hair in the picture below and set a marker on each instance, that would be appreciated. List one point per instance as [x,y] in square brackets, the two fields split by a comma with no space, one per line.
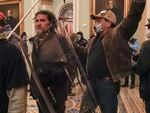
[51,17]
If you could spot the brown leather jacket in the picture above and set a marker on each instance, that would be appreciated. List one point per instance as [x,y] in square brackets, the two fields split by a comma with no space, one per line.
[115,42]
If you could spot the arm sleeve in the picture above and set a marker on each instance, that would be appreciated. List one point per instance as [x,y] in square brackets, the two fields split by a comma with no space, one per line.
[129,24]
[16,72]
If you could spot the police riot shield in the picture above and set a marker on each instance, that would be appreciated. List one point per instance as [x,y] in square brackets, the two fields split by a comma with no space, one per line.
[86,96]
[77,76]
[88,99]
[56,49]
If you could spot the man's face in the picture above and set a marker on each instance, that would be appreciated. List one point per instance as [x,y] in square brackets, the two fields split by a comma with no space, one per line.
[102,24]
[42,23]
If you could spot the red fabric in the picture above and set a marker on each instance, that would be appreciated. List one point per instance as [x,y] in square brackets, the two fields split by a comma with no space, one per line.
[2,16]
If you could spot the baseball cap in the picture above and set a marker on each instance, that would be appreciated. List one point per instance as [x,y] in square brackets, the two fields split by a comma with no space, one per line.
[2,16]
[109,15]
[148,24]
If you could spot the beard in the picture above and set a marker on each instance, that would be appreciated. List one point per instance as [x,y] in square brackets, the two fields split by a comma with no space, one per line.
[40,30]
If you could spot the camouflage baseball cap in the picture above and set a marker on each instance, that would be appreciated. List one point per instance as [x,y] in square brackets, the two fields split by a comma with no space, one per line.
[109,15]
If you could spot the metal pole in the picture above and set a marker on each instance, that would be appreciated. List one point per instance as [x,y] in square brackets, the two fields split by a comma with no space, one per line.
[22,19]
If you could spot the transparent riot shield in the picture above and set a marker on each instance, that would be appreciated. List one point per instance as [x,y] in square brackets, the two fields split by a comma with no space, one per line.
[57,49]
[88,100]
[77,77]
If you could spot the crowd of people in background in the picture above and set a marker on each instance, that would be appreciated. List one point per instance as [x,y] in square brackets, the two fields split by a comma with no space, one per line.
[134,46]
[109,54]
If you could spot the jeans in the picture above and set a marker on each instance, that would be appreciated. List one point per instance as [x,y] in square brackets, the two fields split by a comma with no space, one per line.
[106,93]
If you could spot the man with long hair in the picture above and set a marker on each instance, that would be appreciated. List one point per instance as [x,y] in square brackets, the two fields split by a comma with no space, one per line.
[48,58]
